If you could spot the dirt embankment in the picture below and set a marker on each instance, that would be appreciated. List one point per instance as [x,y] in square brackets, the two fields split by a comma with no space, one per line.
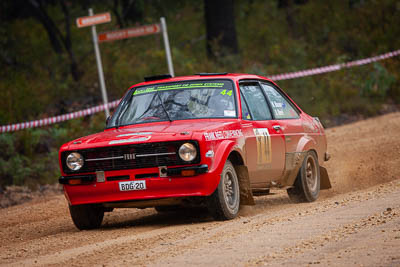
[364,153]
[355,223]
[15,195]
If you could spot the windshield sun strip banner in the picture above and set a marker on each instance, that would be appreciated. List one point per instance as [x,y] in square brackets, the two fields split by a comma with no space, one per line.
[153,89]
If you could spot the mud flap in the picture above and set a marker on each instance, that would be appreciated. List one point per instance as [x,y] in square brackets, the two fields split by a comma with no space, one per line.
[325,182]
[246,194]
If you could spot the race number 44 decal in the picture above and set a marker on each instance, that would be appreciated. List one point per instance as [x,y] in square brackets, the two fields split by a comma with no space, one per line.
[263,138]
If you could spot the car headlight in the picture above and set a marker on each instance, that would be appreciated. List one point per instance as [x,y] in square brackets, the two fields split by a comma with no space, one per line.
[74,161]
[187,152]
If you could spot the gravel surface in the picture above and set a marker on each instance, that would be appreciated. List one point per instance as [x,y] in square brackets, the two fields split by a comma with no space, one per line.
[356,223]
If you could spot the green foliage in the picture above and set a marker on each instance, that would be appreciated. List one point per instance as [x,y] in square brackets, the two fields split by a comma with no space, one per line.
[378,83]
[20,164]
[30,157]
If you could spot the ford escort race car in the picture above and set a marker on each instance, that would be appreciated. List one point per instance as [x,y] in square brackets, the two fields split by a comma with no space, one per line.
[212,140]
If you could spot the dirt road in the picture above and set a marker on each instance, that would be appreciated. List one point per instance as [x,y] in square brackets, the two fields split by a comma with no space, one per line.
[355,223]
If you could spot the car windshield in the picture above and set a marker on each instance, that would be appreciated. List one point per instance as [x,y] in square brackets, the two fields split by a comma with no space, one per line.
[176,101]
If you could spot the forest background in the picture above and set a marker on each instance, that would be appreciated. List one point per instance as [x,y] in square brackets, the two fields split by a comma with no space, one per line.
[48,68]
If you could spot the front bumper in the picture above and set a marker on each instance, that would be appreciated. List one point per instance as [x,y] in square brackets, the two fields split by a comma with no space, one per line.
[90,191]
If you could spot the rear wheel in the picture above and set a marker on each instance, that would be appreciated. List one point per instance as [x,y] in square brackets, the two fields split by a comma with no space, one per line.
[307,185]
[223,204]
[86,217]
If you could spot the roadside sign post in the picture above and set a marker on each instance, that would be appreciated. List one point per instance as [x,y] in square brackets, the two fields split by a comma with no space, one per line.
[92,20]
[166,45]
[99,67]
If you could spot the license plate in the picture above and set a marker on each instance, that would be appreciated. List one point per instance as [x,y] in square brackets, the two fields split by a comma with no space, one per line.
[132,185]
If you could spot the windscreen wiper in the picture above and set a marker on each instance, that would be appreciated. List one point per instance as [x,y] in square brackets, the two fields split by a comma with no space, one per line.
[162,104]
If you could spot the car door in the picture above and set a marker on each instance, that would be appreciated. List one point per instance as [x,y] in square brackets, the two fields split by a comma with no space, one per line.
[286,114]
[265,147]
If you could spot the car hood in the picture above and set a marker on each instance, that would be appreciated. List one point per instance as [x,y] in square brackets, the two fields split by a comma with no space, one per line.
[149,132]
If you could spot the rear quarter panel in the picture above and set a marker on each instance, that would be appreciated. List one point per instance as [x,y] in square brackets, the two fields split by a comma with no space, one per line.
[314,137]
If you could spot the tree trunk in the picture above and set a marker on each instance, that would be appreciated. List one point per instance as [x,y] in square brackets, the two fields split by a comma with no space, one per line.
[57,40]
[75,72]
[41,15]
[115,10]
[220,27]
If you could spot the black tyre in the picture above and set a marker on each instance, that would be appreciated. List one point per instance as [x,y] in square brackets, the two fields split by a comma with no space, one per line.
[223,204]
[307,185]
[86,217]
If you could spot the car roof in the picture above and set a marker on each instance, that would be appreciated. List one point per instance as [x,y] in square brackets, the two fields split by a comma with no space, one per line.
[204,76]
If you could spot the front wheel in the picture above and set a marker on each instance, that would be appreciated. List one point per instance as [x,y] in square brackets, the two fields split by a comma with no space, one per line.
[307,185]
[86,217]
[223,204]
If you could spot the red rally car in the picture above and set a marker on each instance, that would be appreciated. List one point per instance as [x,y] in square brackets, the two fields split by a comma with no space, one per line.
[211,140]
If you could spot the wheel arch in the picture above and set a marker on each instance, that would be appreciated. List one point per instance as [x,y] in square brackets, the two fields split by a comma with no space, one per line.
[228,150]
[236,158]
[305,144]
[308,143]
[246,194]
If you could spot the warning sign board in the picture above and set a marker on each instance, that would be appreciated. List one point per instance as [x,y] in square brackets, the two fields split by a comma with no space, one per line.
[93,20]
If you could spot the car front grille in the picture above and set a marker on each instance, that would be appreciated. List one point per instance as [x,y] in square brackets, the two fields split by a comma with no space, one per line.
[130,157]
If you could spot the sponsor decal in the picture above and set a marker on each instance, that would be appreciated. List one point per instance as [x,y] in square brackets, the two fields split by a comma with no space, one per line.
[226,134]
[278,104]
[229,113]
[225,92]
[131,140]
[263,138]
[279,107]
[210,154]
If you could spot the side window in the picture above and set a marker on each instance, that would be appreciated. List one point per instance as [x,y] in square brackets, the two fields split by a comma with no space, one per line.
[257,103]
[280,106]
[245,111]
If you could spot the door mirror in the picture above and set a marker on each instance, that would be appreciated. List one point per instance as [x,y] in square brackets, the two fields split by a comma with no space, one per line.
[107,120]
